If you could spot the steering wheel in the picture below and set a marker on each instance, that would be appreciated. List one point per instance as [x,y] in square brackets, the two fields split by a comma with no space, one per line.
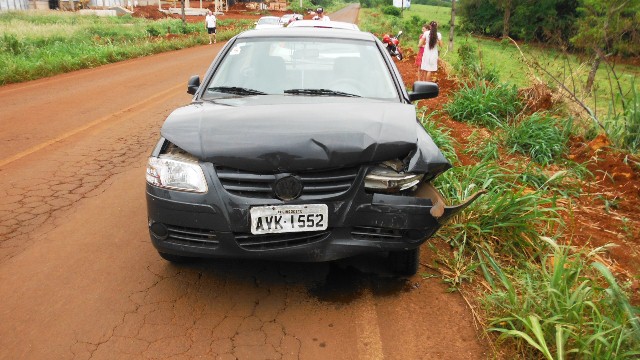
[347,85]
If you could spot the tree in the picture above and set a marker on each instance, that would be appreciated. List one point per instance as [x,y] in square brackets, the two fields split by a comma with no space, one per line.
[506,7]
[480,17]
[540,20]
[607,27]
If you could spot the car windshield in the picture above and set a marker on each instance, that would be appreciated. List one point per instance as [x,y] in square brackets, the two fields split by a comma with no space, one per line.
[302,67]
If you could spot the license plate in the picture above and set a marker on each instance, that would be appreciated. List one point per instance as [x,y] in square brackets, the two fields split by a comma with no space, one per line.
[288,218]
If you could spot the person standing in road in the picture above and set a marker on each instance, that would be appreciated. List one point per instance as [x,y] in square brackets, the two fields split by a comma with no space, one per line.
[210,24]
[320,15]
[430,56]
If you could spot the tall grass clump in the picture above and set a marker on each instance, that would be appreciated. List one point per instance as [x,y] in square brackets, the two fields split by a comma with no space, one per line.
[566,182]
[565,306]
[624,127]
[508,218]
[540,136]
[485,105]
[471,66]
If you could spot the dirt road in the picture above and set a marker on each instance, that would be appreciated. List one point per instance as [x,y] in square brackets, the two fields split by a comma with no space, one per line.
[80,279]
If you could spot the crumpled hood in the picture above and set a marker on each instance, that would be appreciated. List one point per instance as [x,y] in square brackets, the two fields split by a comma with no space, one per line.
[294,137]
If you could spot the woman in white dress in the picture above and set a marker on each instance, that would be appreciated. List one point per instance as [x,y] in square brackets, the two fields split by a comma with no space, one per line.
[433,40]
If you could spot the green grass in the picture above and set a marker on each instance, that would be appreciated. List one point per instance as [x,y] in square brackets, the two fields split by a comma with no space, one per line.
[540,136]
[439,14]
[38,44]
[624,125]
[441,136]
[485,150]
[566,306]
[481,104]
[508,218]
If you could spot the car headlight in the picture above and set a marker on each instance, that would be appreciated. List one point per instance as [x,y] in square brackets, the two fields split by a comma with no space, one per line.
[386,179]
[176,173]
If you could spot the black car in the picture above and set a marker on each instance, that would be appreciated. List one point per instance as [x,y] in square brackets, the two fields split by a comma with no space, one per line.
[300,144]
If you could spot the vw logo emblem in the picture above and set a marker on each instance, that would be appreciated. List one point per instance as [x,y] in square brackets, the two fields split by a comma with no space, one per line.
[288,188]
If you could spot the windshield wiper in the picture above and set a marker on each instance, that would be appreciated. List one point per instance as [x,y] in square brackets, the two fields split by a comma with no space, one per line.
[236,90]
[319,92]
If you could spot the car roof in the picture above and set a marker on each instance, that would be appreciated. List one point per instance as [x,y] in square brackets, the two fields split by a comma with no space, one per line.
[325,24]
[308,32]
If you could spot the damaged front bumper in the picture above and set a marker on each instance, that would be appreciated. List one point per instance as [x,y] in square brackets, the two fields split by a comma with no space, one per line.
[217,225]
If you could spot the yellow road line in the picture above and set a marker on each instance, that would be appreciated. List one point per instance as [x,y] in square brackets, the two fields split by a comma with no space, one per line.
[152,99]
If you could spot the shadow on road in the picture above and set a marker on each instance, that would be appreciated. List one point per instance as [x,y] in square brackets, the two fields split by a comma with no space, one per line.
[338,282]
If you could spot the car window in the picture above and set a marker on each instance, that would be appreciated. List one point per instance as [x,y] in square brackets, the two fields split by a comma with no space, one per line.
[279,65]
[270,21]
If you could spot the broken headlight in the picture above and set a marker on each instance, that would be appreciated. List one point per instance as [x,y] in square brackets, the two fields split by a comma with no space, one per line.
[176,173]
[388,177]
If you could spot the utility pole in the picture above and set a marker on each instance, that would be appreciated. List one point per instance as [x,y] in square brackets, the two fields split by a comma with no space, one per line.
[452,24]
[184,18]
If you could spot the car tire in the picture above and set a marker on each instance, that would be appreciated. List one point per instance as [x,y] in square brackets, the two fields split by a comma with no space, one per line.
[176,259]
[404,263]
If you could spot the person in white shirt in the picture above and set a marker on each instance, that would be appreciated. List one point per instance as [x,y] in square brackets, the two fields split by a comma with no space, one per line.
[210,24]
[320,15]
[433,40]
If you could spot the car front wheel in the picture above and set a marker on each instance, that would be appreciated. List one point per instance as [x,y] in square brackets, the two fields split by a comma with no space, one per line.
[405,263]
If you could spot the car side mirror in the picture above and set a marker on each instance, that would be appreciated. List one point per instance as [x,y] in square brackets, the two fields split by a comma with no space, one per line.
[193,84]
[423,90]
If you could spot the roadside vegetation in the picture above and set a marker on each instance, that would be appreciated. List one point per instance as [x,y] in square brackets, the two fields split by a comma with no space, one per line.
[538,293]
[39,44]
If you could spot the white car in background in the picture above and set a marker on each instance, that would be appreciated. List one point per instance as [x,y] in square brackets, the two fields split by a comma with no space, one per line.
[268,22]
[286,18]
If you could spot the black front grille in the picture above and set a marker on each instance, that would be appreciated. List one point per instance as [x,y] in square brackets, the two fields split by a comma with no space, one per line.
[192,237]
[316,184]
[279,241]
[375,233]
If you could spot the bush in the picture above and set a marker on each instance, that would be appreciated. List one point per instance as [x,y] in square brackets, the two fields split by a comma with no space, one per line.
[11,44]
[391,10]
[489,106]
[152,31]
